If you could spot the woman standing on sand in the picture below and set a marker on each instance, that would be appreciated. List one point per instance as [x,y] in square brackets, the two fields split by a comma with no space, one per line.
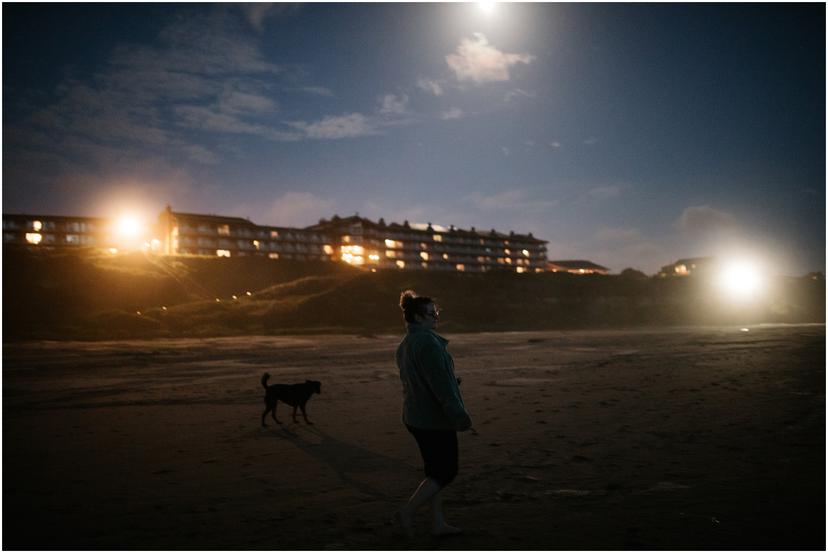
[433,409]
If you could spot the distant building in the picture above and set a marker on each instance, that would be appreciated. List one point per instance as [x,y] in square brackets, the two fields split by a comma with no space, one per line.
[58,231]
[355,240]
[576,267]
[360,241]
[688,266]
[197,234]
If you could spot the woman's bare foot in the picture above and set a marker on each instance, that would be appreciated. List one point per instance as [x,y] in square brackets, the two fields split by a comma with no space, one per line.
[404,520]
[445,530]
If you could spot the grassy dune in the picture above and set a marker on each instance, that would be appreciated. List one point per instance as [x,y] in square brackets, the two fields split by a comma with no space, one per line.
[86,295]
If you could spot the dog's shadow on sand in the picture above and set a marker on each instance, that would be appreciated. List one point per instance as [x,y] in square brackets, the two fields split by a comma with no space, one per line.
[349,461]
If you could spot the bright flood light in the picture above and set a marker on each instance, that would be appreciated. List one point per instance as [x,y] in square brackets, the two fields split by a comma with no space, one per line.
[128,226]
[740,280]
[487,7]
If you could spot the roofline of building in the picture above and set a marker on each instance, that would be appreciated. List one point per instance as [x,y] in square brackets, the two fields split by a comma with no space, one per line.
[327,223]
[64,217]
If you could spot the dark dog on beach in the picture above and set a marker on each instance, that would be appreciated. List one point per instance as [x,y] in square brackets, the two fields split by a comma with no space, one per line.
[295,395]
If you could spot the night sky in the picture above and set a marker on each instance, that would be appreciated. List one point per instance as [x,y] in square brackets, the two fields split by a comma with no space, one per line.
[629,135]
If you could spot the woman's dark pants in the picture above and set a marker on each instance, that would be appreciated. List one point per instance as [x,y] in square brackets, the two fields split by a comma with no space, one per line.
[439,451]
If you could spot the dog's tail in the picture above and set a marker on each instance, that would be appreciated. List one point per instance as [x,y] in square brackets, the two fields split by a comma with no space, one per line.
[265,376]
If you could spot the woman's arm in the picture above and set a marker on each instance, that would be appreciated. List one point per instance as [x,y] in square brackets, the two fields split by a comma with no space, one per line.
[436,369]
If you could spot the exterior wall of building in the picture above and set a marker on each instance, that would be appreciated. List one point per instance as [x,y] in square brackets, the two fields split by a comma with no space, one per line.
[576,269]
[354,240]
[56,231]
[364,243]
[687,267]
[193,234]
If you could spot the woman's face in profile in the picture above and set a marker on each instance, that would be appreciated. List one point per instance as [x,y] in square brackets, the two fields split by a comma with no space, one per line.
[432,316]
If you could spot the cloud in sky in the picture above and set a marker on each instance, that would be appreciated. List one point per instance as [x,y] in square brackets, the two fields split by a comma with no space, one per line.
[431,86]
[618,235]
[318,90]
[704,218]
[452,113]
[293,209]
[476,60]
[517,93]
[201,73]
[335,127]
[605,192]
[511,200]
[392,104]
[239,102]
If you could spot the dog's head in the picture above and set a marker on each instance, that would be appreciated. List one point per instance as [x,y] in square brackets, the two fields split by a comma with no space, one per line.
[315,385]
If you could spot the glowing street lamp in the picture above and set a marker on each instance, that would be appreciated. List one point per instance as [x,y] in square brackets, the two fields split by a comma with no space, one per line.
[487,7]
[740,280]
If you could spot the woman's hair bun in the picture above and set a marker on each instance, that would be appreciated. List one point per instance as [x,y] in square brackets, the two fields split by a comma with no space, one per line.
[407,299]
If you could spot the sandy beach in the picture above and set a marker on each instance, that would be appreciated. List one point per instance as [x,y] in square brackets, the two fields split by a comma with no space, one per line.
[686,438]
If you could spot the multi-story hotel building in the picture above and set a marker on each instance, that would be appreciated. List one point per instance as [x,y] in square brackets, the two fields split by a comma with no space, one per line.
[354,240]
[196,234]
[362,242]
[58,231]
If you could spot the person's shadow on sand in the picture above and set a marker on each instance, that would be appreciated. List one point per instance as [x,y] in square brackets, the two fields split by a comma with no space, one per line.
[348,460]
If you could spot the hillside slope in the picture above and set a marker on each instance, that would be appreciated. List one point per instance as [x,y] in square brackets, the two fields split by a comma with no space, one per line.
[93,296]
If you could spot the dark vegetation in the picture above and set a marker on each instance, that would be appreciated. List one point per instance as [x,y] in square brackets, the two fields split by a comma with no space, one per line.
[89,295]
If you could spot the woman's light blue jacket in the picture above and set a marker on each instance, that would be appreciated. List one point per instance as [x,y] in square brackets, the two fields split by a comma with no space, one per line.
[431,396]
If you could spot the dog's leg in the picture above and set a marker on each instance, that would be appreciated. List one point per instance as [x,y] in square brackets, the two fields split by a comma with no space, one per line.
[304,414]
[267,408]
[273,412]
[294,414]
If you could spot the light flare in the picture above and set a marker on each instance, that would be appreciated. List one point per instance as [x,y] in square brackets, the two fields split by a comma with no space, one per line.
[741,280]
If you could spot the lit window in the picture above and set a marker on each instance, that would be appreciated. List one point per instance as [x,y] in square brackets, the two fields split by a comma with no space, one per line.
[72,239]
[460,267]
[437,238]
[224,230]
[390,253]
[328,249]
[393,243]
[445,256]
[223,253]
[401,264]
[346,239]
[526,253]
[113,251]
[33,237]
[507,251]
[274,234]
[273,255]
[424,255]
[37,225]
[423,245]
[356,250]
[681,269]
[520,269]
[373,257]
[348,257]
[424,265]
[509,260]
[481,259]
[256,244]
[581,271]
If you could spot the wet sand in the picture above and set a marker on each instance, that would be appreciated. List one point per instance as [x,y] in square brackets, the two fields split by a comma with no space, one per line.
[704,438]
